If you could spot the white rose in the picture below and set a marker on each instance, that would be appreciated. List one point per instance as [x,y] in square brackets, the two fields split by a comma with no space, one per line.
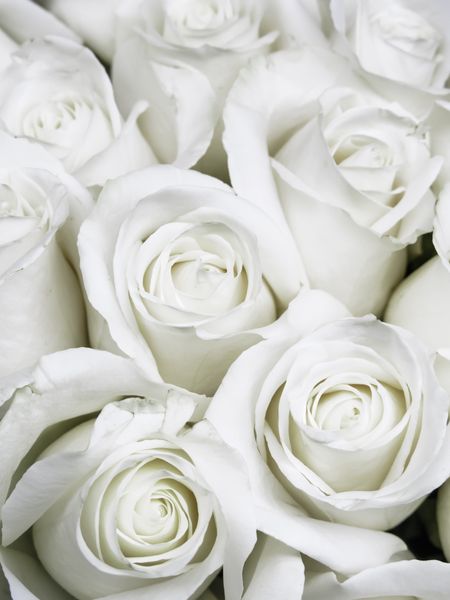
[185,56]
[349,172]
[210,39]
[349,422]
[41,209]
[402,40]
[184,273]
[133,503]
[21,20]
[420,303]
[191,23]
[57,93]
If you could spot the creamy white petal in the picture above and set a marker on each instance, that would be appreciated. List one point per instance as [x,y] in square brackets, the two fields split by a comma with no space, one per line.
[273,570]
[182,113]
[402,580]
[420,304]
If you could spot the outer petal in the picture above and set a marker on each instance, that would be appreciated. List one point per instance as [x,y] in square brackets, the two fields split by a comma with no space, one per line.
[327,236]
[297,23]
[402,580]
[23,19]
[41,310]
[182,113]
[27,579]
[222,469]
[420,303]
[263,106]
[66,385]
[128,152]
[97,31]
[274,570]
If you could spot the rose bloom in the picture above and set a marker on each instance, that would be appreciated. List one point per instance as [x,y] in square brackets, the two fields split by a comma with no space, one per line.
[349,171]
[183,273]
[41,209]
[185,56]
[57,93]
[348,422]
[209,24]
[130,504]
[402,40]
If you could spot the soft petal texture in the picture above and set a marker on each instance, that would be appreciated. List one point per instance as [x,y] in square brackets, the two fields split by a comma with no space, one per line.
[400,40]
[336,161]
[23,19]
[420,304]
[296,22]
[182,112]
[178,279]
[188,54]
[41,303]
[104,469]
[97,31]
[232,413]
[57,93]
[63,386]
[26,578]
[128,152]
[273,571]
[401,580]
[285,435]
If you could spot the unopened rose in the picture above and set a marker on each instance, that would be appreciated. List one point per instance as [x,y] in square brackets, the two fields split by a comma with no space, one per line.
[57,93]
[348,171]
[350,422]
[398,39]
[41,209]
[132,503]
[183,273]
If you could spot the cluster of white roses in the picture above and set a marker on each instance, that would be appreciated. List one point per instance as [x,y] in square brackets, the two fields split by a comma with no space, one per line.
[199,237]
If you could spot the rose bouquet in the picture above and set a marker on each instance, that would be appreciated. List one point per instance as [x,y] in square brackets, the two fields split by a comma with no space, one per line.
[224,299]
